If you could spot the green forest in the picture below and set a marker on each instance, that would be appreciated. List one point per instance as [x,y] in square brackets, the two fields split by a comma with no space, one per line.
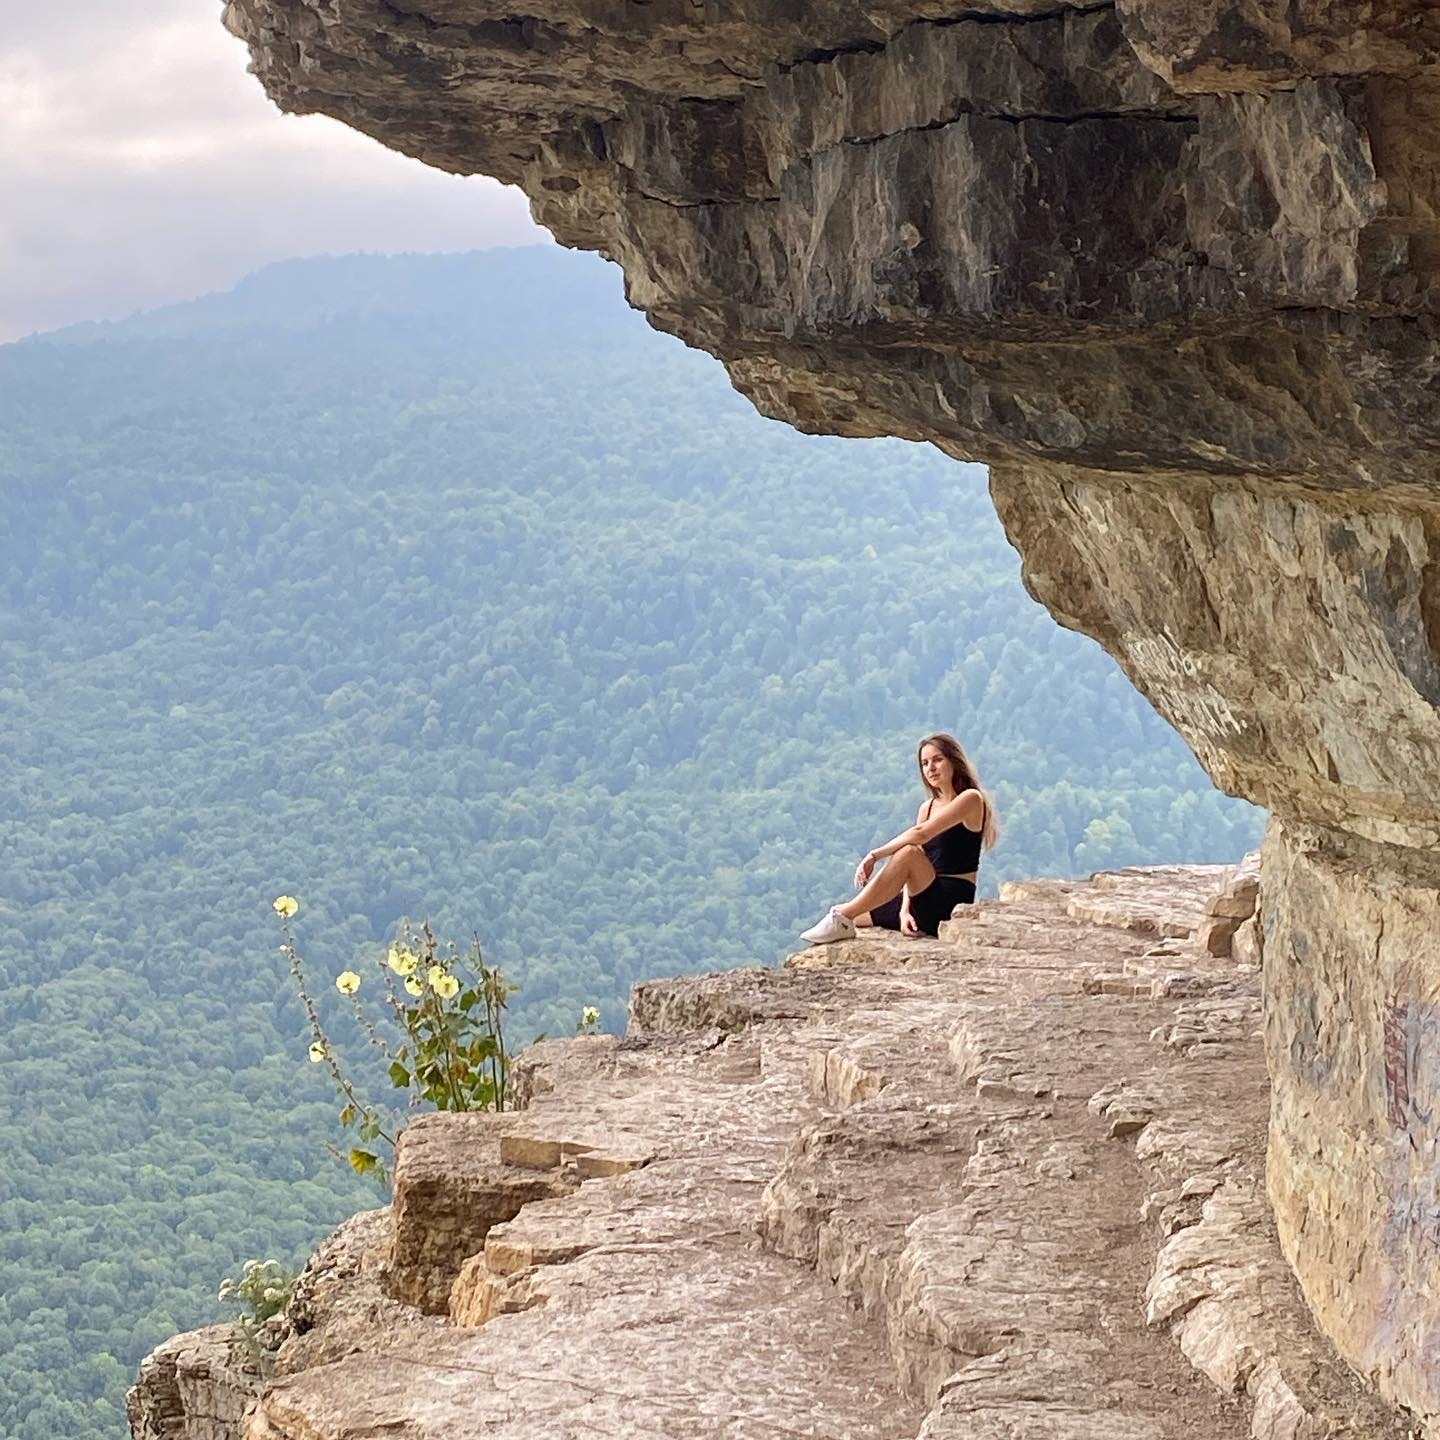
[444,586]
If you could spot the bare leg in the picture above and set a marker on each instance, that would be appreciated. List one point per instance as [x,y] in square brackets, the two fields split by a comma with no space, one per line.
[908,866]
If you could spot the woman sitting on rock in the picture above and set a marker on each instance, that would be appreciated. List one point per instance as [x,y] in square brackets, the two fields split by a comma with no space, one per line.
[933,865]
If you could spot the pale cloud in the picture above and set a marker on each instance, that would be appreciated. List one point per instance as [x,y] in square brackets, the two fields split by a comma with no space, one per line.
[141,164]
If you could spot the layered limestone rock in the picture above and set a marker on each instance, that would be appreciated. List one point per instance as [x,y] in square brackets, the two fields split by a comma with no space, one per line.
[196,1386]
[973,1189]
[1172,268]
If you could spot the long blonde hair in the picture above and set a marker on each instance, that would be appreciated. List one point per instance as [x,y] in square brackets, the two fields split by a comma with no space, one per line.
[967,777]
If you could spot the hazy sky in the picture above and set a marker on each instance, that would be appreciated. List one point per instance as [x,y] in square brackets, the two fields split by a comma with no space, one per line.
[139,164]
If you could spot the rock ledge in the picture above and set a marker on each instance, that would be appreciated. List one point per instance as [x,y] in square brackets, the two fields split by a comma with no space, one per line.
[950,1190]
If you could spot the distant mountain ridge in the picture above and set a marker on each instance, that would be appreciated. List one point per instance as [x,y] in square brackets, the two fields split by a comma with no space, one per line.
[489,287]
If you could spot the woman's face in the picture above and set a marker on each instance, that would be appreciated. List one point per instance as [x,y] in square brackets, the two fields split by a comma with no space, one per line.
[939,773]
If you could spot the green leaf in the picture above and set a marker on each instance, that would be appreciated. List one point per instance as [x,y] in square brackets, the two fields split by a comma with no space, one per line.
[363,1161]
[347,1115]
[399,1075]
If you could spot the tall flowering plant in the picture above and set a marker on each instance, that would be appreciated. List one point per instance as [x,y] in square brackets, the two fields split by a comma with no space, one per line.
[441,1039]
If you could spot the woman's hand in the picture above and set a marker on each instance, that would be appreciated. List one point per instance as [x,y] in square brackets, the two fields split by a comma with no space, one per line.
[863,869]
[907,923]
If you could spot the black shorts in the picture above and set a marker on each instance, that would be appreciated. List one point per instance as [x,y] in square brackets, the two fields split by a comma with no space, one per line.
[932,905]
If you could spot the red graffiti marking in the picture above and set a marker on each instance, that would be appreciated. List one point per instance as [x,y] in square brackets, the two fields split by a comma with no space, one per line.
[1397,1063]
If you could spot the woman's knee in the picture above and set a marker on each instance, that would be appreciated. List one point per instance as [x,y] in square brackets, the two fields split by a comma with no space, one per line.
[915,866]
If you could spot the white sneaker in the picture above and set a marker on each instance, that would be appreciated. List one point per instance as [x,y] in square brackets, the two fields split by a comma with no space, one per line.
[834,926]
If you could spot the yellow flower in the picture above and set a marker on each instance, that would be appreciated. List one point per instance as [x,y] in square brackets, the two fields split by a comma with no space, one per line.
[401,960]
[435,974]
[590,1015]
[286,906]
[347,982]
[446,987]
[413,985]
[317,1053]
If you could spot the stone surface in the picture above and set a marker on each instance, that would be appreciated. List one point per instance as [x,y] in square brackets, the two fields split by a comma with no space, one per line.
[453,1182]
[344,1301]
[1217,934]
[1355,1173]
[1246,946]
[894,1190]
[1127,899]
[1221,1285]
[194,1387]
[1170,267]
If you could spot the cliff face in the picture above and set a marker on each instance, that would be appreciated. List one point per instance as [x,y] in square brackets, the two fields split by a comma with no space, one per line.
[1172,268]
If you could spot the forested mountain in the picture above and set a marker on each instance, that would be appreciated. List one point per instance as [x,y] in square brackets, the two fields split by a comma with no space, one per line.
[444,586]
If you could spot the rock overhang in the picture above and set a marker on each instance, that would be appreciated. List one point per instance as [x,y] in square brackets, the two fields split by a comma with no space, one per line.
[1173,271]
[1052,241]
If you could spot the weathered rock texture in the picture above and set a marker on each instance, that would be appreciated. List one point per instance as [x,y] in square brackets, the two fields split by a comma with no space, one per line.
[1172,268]
[1006,1186]
[194,1387]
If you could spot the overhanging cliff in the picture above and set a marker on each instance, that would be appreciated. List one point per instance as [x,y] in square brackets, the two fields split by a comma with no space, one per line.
[1173,271]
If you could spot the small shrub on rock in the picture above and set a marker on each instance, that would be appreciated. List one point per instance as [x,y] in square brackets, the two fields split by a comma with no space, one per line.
[441,1035]
[261,1295]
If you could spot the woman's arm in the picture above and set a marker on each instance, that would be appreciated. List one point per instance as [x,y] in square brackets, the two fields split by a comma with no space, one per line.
[867,861]
[907,925]
[930,820]
[967,808]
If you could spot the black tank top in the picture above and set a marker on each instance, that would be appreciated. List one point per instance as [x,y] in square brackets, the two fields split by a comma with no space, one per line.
[955,851]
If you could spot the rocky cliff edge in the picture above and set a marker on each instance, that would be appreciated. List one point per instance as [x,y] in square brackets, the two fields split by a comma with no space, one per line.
[1007,1184]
